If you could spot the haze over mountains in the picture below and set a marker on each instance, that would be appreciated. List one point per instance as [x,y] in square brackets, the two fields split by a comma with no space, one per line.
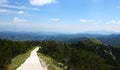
[112,39]
[73,34]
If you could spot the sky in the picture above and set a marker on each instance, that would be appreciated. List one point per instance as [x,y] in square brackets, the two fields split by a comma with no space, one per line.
[67,16]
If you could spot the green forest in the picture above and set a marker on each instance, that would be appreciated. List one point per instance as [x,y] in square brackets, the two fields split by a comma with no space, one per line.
[10,49]
[89,54]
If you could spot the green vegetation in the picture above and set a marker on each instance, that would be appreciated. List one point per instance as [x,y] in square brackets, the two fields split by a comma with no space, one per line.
[92,40]
[101,50]
[10,49]
[89,54]
[50,63]
[18,60]
[72,58]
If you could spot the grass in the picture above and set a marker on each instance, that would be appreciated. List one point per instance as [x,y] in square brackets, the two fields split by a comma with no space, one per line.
[49,61]
[18,60]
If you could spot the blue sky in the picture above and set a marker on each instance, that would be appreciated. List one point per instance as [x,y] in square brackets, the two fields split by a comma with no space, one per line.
[67,16]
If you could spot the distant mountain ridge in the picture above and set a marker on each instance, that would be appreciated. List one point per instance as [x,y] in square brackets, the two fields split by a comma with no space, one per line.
[112,39]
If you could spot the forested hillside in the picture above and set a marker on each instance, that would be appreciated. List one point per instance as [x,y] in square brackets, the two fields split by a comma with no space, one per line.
[89,54]
[111,39]
[10,49]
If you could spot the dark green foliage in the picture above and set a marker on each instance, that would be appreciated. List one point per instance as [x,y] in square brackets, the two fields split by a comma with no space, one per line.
[105,51]
[84,60]
[113,39]
[89,54]
[75,58]
[10,49]
[116,52]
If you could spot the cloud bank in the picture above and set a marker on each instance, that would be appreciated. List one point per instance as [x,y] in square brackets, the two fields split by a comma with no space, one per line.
[41,2]
[3,1]
[55,19]
[19,20]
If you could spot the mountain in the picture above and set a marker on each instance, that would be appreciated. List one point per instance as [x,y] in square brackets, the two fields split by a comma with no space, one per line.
[88,54]
[42,36]
[81,54]
[109,53]
[112,39]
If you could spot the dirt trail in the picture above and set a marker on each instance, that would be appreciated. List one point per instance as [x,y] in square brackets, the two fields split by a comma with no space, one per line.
[32,63]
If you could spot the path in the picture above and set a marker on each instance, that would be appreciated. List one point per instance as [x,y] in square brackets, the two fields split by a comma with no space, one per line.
[32,63]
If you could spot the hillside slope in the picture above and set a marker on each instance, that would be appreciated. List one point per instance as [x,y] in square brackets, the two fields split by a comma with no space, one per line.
[90,54]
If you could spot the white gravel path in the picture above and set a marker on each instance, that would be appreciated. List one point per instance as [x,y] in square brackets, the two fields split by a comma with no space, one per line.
[32,63]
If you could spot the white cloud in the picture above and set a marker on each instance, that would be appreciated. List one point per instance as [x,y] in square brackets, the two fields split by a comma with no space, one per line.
[59,27]
[112,27]
[3,11]
[18,7]
[3,2]
[42,2]
[20,12]
[55,19]
[10,11]
[19,20]
[36,9]
[113,22]
[7,11]
[85,21]
[12,6]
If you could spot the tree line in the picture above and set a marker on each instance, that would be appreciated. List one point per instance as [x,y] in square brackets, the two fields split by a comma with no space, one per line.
[83,55]
[87,55]
[9,49]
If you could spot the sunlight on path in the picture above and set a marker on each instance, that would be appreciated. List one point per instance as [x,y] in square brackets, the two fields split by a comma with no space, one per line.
[32,63]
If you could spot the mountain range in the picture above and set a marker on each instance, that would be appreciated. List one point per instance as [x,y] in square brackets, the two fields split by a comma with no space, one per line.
[112,39]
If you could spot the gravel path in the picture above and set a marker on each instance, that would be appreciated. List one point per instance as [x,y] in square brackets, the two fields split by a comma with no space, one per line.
[32,63]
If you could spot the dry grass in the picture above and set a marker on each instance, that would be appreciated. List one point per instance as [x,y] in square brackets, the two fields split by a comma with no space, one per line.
[18,60]
[50,63]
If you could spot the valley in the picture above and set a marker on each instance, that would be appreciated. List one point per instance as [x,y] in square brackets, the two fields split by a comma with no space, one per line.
[83,53]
